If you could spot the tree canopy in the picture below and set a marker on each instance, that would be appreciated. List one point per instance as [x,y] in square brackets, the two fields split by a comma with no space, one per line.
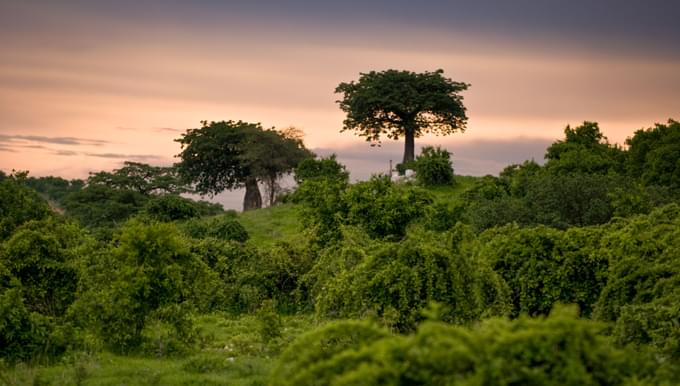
[228,155]
[403,104]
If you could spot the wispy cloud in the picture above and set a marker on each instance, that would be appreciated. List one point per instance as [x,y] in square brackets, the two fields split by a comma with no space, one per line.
[167,129]
[7,149]
[54,140]
[124,156]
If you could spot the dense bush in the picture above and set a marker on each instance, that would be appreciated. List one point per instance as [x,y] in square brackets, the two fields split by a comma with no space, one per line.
[559,350]
[322,208]
[398,280]
[100,206]
[147,276]
[544,266]
[433,167]
[653,155]
[170,207]
[18,204]
[643,288]
[323,168]
[225,227]
[382,208]
[42,256]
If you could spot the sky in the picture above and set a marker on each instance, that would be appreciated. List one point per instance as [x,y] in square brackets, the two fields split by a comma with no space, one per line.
[86,85]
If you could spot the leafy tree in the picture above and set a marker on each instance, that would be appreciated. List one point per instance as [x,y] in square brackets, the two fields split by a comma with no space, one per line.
[584,150]
[19,204]
[141,178]
[654,154]
[170,207]
[103,207]
[403,104]
[55,188]
[275,153]
[229,155]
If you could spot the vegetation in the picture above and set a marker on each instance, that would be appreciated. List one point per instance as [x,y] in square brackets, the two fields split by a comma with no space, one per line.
[403,104]
[227,155]
[561,273]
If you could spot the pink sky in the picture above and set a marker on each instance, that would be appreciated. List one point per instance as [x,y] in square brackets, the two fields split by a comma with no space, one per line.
[83,92]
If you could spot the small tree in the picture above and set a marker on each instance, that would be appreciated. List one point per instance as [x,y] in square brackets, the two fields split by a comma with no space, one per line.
[403,104]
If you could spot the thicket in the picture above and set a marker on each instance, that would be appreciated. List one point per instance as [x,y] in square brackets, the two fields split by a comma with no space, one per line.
[444,285]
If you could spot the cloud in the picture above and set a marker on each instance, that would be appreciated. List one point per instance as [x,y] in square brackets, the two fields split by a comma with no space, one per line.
[167,129]
[54,140]
[7,149]
[124,156]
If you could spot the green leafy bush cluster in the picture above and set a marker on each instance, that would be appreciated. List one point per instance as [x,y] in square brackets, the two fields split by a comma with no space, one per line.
[558,350]
[225,227]
[396,281]
[433,167]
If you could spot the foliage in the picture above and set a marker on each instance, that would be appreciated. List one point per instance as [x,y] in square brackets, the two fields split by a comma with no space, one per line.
[559,350]
[653,155]
[544,266]
[141,178]
[433,167]
[147,276]
[42,255]
[54,188]
[643,287]
[228,155]
[382,208]
[402,103]
[220,227]
[19,204]
[323,168]
[322,208]
[170,207]
[396,282]
[100,206]
[26,335]
[584,150]
[305,362]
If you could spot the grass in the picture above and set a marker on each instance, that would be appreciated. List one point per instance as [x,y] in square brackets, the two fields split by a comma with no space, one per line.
[230,352]
[268,225]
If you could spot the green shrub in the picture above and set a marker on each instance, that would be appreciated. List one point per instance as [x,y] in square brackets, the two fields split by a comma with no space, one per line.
[643,287]
[170,207]
[224,227]
[433,167]
[19,204]
[382,208]
[42,256]
[323,168]
[398,280]
[544,266]
[148,274]
[304,362]
[559,350]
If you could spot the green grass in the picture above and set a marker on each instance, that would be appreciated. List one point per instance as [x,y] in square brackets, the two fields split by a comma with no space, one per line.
[451,193]
[229,352]
[268,225]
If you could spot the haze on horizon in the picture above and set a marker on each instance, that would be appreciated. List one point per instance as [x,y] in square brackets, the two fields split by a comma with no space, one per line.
[86,85]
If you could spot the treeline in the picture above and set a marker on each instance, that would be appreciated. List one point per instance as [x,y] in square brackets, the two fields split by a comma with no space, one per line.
[416,282]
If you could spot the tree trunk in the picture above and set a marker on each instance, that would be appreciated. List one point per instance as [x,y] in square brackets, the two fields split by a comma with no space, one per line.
[253,199]
[409,145]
